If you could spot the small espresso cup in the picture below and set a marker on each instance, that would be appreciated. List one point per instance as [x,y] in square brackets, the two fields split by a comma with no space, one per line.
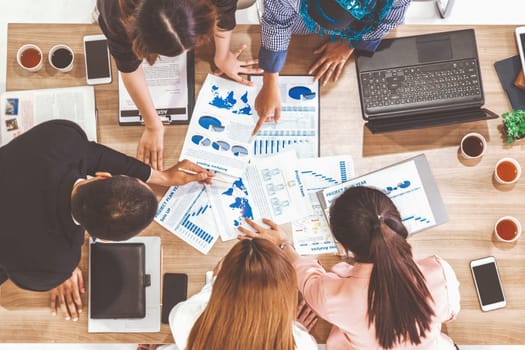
[473,145]
[507,171]
[29,57]
[61,57]
[507,229]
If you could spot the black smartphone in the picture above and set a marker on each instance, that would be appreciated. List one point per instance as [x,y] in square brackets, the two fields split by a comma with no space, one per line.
[174,290]
[98,64]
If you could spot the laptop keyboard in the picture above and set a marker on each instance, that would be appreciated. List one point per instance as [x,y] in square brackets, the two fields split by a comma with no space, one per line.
[421,86]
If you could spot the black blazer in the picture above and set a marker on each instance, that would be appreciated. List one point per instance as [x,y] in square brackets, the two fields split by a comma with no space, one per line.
[40,244]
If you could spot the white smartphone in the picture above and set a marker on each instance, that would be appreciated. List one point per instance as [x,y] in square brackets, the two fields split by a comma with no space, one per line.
[488,283]
[98,64]
[520,40]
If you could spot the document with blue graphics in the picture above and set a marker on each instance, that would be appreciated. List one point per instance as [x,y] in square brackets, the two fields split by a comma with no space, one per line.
[311,234]
[298,128]
[186,212]
[219,134]
[270,188]
[411,186]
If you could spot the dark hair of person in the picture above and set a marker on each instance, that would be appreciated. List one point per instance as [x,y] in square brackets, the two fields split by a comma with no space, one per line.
[366,222]
[167,27]
[116,208]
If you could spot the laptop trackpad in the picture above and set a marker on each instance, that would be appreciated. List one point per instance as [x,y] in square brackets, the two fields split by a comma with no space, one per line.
[436,48]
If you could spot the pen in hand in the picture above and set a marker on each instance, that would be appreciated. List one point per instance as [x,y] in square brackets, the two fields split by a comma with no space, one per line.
[214,178]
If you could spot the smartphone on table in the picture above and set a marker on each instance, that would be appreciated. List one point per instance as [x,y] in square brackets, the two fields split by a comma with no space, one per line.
[174,290]
[97,59]
[520,41]
[488,283]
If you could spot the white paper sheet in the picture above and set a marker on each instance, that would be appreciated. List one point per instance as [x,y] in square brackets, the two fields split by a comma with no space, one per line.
[311,234]
[298,127]
[219,133]
[167,82]
[186,212]
[270,188]
[21,110]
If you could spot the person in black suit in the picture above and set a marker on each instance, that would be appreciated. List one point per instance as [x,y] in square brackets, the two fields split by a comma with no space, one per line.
[55,184]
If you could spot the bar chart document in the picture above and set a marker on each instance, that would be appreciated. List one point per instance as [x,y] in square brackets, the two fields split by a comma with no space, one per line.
[298,128]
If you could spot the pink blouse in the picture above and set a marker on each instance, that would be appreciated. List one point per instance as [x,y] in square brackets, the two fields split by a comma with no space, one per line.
[340,297]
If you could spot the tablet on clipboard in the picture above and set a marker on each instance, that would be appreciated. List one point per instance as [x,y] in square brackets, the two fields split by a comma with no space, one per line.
[171,84]
[411,186]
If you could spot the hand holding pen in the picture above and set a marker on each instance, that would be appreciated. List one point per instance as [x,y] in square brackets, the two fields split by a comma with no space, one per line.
[174,176]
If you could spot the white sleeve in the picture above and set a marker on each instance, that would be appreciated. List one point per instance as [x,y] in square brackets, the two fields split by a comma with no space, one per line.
[184,315]
[452,285]
[303,339]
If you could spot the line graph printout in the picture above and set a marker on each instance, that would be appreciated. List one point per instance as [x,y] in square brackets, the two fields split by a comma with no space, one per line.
[403,184]
[298,127]
[311,234]
[270,188]
[219,134]
[186,212]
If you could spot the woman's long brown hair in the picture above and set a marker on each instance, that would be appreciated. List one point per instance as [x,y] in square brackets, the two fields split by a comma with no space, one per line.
[253,302]
[167,27]
[366,222]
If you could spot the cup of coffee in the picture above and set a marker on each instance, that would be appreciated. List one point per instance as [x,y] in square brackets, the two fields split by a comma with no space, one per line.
[507,229]
[507,171]
[29,57]
[473,145]
[61,58]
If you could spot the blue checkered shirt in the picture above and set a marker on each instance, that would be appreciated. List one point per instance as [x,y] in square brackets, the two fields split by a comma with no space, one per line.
[281,19]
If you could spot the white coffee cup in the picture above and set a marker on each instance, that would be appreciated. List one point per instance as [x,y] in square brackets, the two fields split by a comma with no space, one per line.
[61,57]
[507,171]
[473,145]
[507,229]
[30,57]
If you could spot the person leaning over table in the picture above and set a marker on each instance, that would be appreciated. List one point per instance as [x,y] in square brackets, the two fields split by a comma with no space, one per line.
[48,200]
[359,24]
[145,29]
[250,303]
[386,300]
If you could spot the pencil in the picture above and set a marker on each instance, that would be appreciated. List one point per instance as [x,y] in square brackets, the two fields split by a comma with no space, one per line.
[214,178]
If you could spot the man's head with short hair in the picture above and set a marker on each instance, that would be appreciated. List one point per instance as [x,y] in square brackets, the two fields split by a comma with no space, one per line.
[114,208]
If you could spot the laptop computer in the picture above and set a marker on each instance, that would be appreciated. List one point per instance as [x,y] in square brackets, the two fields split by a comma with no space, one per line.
[422,81]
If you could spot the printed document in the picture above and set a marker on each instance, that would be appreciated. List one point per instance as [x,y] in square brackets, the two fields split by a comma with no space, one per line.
[170,83]
[298,128]
[186,212]
[270,188]
[21,110]
[311,234]
[219,134]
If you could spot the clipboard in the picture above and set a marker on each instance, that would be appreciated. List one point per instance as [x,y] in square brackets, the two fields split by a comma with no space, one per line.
[411,180]
[171,82]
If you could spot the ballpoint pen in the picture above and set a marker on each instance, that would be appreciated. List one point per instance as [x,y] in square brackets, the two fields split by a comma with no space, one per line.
[214,178]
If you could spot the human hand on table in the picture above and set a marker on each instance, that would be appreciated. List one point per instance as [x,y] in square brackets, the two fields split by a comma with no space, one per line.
[67,296]
[230,65]
[331,62]
[306,315]
[273,232]
[151,146]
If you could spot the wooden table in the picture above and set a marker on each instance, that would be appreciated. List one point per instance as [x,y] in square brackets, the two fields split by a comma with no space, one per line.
[472,198]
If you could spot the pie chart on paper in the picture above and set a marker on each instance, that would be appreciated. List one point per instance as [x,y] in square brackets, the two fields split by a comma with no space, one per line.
[301,93]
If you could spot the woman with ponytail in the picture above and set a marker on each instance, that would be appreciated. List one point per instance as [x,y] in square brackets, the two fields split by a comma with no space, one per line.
[386,299]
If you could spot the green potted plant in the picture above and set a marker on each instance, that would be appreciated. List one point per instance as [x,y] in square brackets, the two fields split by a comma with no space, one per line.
[514,123]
